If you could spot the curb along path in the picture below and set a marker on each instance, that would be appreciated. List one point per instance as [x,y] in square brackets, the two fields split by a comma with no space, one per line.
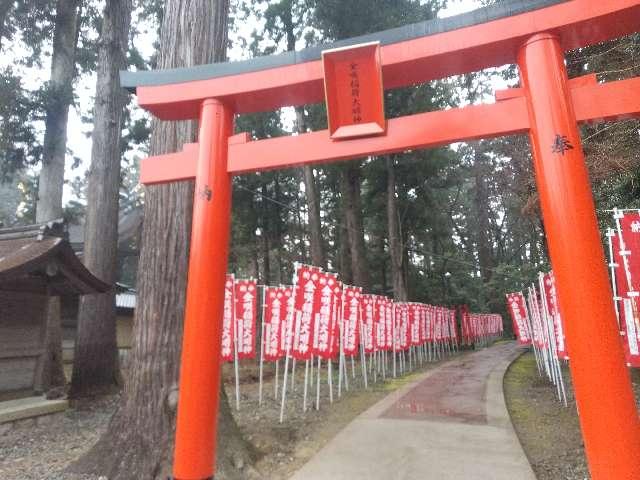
[452,423]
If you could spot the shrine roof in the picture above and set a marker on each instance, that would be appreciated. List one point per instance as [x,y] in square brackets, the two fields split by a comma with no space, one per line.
[39,259]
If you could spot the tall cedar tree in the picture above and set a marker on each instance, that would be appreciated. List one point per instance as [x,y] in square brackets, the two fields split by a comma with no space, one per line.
[95,363]
[51,180]
[59,98]
[139,440]
[398,278]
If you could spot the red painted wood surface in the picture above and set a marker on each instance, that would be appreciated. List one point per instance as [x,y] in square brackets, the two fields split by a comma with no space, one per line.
[577,23]
[604,397]
[200,369]
[353,91]
[592,102]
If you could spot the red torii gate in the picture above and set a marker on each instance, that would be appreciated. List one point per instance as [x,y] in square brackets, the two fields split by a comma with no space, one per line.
[548,107]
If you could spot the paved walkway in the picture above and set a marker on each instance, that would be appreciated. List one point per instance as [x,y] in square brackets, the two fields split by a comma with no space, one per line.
[452,423]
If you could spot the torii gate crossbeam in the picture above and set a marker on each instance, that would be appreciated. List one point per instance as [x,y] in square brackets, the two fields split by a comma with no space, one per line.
[534,35]
[592,102]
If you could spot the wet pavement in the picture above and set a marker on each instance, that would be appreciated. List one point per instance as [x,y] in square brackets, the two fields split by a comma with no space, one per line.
[455,393]
[451,423]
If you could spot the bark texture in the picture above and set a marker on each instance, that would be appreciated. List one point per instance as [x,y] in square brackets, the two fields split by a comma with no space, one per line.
[59,97]
[481,207]
[265,240]
[51,180]
[344,254]
[395,240]
[52,374]
[318,255]
[96,352]
[352,208]
[278,239]
[139,441]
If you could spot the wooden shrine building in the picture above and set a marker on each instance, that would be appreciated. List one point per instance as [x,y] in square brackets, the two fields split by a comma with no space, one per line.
[37,267]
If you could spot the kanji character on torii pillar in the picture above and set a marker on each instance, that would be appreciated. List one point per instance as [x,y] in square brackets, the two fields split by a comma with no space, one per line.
[548,107]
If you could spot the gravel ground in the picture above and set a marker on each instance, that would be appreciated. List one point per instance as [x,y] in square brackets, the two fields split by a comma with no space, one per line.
[549,432]
[40,450]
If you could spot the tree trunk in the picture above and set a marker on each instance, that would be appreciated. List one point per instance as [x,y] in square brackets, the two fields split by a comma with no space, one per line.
[395,241]
[303,254]
[96,351]
[51,180]
[315,226]
[481,206]
[52,375]
[139,440]
[266,232]
[344,255]
[383,265]
[352,209]
[277,232]
[59,97]
[318,257]
[254,261]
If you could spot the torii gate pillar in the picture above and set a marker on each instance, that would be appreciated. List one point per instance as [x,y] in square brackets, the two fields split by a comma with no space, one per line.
[609,421]
[197,420]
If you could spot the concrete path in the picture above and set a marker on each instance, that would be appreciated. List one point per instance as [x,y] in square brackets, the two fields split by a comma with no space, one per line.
[452,423]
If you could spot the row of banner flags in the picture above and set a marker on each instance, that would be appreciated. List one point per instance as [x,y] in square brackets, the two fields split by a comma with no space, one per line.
[530,314]
[624,264]
[536,315]
[537,322]
[319,318]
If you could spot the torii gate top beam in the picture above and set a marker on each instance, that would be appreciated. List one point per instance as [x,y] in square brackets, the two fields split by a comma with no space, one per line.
[412,54]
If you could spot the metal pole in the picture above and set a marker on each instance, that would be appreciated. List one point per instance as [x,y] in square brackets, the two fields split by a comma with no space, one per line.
[287,333]
[551,334]
[529,321]
[318,383]
[329,379]
[393,338]
[284,385]
[612,273]
[235,355]
[341,358]
[275,385]
[262,330]
[196,423]
[353,367]
[605,399]
[311,371]
[363,357]
[306,378]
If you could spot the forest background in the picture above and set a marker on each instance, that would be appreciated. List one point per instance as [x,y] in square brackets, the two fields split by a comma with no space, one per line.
[454,225]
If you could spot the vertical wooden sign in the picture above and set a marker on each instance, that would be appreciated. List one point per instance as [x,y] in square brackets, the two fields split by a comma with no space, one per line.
[353,91]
